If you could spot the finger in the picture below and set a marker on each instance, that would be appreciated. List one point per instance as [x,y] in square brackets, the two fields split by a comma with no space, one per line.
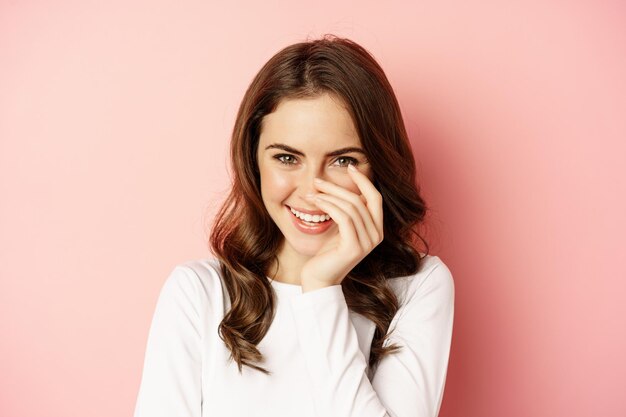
[371,194]
[357,201]
[343,220]
[357,222]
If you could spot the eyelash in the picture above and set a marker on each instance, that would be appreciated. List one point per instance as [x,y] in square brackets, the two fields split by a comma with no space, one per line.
[278,157]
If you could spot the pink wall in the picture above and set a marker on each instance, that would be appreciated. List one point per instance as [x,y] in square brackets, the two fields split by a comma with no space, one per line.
[114,125]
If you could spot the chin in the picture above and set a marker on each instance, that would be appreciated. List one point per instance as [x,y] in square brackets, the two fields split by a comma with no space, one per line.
[304,246]
[307,251]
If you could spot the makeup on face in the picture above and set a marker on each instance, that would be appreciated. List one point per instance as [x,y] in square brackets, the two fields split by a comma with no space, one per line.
[310,223]
[300,140]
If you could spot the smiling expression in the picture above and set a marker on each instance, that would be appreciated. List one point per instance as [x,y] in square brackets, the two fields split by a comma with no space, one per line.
[303,139]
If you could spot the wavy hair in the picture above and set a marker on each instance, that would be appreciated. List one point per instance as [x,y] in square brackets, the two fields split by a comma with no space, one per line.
[244,237]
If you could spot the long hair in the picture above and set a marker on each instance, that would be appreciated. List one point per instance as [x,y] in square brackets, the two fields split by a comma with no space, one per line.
[244,237]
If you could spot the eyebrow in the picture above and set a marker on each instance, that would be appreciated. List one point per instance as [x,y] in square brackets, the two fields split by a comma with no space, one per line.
[297,152]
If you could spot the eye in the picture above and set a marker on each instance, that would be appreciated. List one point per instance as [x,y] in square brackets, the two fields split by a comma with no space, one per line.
[348,159]
[285,158]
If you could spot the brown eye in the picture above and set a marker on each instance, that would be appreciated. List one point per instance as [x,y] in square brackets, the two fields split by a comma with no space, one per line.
[285,158]
[344,161]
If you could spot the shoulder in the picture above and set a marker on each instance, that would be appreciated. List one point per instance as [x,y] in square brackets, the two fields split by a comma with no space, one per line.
[198,278]
[433,272]
[433,279]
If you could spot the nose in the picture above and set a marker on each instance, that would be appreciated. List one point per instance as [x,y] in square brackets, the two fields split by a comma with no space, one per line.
[306,184]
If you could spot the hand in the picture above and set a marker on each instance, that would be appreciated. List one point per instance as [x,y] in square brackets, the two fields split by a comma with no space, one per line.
[360,222]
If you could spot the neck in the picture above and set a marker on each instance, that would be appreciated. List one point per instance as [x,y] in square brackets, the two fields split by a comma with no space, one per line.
[289,266]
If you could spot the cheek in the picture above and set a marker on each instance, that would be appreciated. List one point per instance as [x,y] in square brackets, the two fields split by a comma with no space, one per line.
[275,184]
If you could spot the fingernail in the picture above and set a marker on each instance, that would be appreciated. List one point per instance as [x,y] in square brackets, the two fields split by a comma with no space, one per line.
[318,180]
[351,167]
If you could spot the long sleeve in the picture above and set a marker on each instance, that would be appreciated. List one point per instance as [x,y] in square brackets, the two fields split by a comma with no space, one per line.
[171,380]
[408,383]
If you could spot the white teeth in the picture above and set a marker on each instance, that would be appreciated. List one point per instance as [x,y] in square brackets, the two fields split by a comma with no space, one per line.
[317,218]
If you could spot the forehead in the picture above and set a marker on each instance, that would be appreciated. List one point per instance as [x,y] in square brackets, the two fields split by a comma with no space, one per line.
[318,123]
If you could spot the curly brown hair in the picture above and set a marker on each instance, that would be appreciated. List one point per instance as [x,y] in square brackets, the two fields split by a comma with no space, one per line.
[244,237]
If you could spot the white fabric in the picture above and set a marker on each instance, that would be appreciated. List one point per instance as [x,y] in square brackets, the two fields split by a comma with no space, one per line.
[316,349]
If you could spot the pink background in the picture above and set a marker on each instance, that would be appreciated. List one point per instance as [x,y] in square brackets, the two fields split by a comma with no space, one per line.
[115,119]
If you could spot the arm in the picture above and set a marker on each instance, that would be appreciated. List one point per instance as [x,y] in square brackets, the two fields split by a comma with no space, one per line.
[408,383]
[171,380]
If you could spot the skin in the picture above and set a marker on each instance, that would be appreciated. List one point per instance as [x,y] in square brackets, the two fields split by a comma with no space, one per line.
[315,127]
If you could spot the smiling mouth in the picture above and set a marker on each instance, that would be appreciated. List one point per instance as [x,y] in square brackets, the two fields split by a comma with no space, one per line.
[309,219]
[310,227]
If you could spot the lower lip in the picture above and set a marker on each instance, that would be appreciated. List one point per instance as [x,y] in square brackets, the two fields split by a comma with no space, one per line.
[314,229]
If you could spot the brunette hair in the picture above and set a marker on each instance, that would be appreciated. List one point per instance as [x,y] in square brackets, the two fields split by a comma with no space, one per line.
[244,237]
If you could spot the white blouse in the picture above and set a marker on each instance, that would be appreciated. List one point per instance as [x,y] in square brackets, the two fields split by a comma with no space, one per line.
[315,349]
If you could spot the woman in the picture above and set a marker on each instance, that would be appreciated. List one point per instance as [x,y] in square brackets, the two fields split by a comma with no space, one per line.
[318,301]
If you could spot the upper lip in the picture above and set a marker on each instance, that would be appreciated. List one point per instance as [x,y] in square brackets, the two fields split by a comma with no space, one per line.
[311,212]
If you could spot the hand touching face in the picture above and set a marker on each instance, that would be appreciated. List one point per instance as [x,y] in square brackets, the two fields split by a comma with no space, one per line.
[360,221]
[301,140]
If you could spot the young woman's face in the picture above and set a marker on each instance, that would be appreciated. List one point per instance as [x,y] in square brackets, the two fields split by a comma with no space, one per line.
[303,139]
